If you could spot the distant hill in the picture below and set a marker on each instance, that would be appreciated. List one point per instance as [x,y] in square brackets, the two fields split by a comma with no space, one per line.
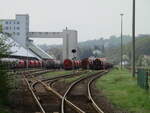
[109,48]
[90,47]
[142,49]
[113,41]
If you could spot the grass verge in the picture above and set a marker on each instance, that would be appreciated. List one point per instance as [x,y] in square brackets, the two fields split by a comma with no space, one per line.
[56,73]
[122,90]
[69,80]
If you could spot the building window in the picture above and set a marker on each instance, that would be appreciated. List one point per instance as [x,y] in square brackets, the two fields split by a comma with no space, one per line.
[14,28]
[18,33]
[18,22]
[18,28]
[14,22]
[10,28]
[6,27]
[6,22]
[10,22]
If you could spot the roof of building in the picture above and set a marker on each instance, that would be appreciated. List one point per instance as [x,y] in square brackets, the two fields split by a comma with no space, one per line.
[17,50]
[38,51]
[33,51]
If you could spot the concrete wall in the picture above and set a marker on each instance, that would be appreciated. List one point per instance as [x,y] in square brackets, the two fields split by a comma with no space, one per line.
[45,34]
[69,42]
[24,28]
[17,28]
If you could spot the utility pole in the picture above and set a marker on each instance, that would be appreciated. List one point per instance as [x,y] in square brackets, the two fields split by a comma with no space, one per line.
[121,38]
[133,40]
[27,55]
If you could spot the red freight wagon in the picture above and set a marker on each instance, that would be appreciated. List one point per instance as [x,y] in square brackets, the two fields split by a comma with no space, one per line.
[31,63]
[21,64]
[68,64]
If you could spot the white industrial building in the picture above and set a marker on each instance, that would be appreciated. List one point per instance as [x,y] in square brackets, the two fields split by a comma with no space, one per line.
[18,29]
[17,50]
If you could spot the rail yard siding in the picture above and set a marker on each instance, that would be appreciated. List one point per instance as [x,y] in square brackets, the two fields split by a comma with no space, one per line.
[69,80]
[56,73]
[122,90]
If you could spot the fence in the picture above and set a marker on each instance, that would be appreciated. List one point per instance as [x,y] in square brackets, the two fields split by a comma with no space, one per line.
[143,78]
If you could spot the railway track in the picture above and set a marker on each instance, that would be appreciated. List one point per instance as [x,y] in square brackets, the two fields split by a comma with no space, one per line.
[32,97]
[27,72]
[48,94]
[82,97]
[49,100]
[60,97]
[49,80]
[35,97]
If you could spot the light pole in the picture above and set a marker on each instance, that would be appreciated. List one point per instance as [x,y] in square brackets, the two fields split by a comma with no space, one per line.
[133,40]
[121,37]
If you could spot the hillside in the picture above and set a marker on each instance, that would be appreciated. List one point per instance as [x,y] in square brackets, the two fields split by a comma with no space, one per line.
[112,41]
[109,48]
[142,51]
[95,47]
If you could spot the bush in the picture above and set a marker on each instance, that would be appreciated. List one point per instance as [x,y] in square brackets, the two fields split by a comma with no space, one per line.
[4,84]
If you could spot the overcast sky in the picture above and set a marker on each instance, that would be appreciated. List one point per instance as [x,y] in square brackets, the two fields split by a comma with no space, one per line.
[91,18]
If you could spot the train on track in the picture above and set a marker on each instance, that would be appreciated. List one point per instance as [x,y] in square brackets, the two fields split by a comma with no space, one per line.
[87,63]
[71,64]
[14,63]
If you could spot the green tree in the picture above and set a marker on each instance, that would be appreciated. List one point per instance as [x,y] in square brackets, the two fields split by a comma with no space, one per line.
[3,46]
[4,78]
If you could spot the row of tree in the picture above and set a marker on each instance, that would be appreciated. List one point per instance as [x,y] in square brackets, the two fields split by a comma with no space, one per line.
[4,77]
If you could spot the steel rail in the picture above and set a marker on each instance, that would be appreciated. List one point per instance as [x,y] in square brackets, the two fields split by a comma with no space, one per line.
[32,92]
[37,101]
[70,87]
[98,109]
[57,77]
[64,97]
[61,97]
[49,79]
[36,73]
[54,92]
